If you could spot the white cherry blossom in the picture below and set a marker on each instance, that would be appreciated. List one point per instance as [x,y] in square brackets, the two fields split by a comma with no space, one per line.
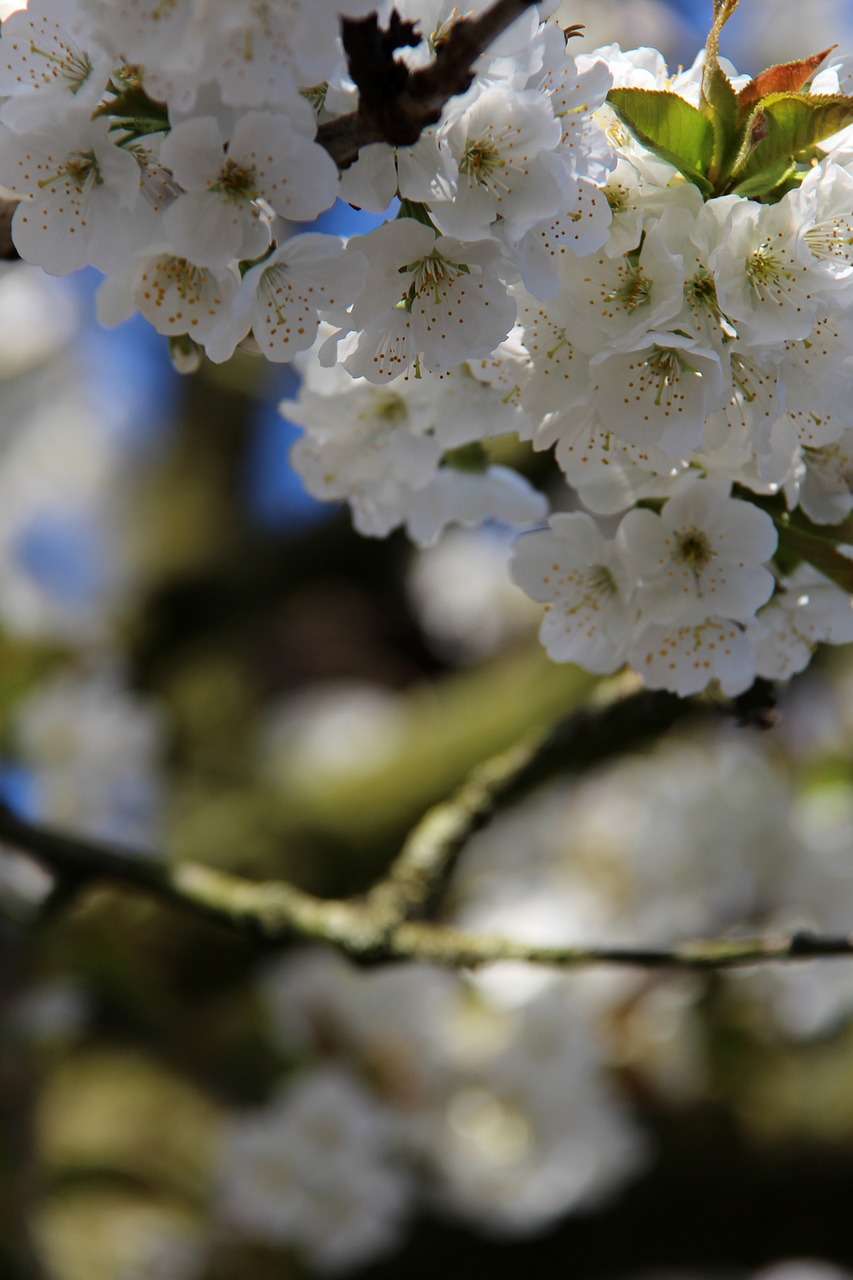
[686,657]
[662,392]
[763,285]
[175,295]
[434,298]
[807,609]
[282,298]
[583,581]
[826,493]
[43,70]
[317,1170]
[704,554]
[78,189]
[265,158]
[504,147]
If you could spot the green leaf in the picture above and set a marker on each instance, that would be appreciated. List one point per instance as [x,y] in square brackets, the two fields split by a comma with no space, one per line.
[720,104]
[671,128]
[782,131]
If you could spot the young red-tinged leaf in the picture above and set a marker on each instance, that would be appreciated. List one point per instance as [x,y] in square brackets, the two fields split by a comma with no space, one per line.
[670,127]
[787,77]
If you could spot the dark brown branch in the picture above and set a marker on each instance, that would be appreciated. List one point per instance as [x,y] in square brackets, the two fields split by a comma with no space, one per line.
[395,104]
[7,209]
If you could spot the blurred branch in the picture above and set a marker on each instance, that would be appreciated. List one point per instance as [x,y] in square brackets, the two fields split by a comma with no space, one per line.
[7,209]
[380,927]
[581,740]
[395,104]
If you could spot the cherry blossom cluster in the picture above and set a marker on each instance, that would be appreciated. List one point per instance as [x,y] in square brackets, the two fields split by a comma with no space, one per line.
[500,1114]
[544,274]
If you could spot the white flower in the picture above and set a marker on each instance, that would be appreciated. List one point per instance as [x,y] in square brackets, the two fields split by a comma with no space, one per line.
[660,393]
[282,298]
[704,554]
[826,493]
[614,302]
[367,444]
[79,191]
[427,296]
[381,448]
[806,610]
[43,70]
[265,158]
[581,577]
[503,143]
[316,1170]
[763,284]
[686,657]
[825,196]
[94,749]
[535,1131]
[175,295]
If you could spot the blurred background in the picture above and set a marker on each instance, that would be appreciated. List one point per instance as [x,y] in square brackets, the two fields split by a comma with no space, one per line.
[201,661]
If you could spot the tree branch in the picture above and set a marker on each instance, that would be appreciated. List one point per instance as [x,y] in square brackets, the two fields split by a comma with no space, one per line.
[418,877]
[380,927]
[7,209]
[395,104]
[274,913]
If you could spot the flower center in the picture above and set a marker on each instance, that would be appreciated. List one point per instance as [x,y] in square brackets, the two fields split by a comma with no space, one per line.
[617,197]
[666,366]
[694,548]
[430,273]
[764,268]
[389,408]
[73,64]
[479,159]
[701,291]
[634,292]
[183,276]
[81,168]
[236,183]
[830,239]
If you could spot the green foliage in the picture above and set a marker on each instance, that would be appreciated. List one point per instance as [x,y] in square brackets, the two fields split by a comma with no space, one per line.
[783,131]
[671,128]
[757,143]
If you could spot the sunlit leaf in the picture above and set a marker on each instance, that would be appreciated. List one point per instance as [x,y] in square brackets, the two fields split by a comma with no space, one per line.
[782,131]
[670,127]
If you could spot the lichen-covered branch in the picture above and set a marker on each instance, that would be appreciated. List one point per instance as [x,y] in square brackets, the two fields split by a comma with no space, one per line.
[274,913]
[395,104]
[612,721]
[381,926]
